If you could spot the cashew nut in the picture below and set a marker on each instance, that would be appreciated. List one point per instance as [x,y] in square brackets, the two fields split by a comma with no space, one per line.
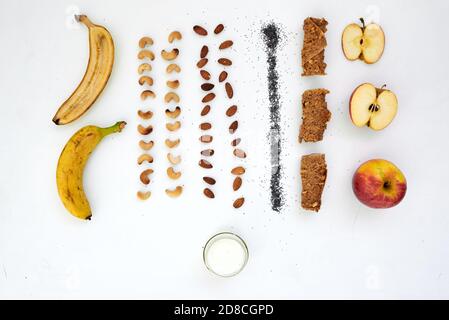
[146,79]
[145,114]
[144,130]
[173,160]
[170,55]
[173,114]
[146,145]
[146,54]
[173,84]
[144,157]
[145,41]
[143,195]
[171,96]
[144,67]
[174,193]
[172,174]
[173,67]
[147,93]
[175,35]
[144,176]
[173,126]
[172,143]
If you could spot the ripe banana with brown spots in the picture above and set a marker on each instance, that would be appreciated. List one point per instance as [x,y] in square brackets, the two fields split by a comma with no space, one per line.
[99,68]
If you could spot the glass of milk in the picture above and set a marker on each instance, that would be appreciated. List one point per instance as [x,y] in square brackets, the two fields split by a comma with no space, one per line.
[225,254]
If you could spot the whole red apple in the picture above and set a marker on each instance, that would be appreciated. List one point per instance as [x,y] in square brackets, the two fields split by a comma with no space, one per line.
[379,183]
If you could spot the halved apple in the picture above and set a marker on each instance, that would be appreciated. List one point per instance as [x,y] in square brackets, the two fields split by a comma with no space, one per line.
[366,43]
[373,107]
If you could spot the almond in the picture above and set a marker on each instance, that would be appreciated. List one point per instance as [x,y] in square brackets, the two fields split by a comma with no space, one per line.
[233,127]
[226,44]
[225,61]
[207,86]
[205,126]
[219,28]
[205,75]
[237,183]
[208,97]
[205,110]
[238,202]
[204,51]
[239,153]
[206,138]
[208,193]
[237,171]
[207,152]
[205,164]
[229,90]
[200,30]
[222,77]
[235,142]
[202,63]
[231,111]
[209,180]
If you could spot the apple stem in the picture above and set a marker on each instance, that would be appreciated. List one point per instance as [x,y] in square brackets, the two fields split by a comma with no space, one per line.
[384,86]
[363,23]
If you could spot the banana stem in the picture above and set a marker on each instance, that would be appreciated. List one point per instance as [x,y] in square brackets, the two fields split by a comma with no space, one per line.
[84,20]
[113,129]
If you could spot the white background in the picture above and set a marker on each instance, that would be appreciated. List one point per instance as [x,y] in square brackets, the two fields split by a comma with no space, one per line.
[154,249]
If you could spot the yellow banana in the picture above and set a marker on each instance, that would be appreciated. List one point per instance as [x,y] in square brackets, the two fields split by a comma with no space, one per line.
[101,60]
[73,158]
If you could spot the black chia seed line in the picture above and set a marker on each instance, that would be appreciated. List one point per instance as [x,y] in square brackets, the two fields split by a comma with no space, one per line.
[271,36]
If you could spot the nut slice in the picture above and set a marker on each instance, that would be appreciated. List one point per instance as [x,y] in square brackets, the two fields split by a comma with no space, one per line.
[172,174]
[204,51]
[207,86]
[233,127]
[173,126]
[206,138]
[144,176]
[239,153]
[222,77]
[209,180]
[146,79]
[237,183]
[200,30]
[238,202]
[202,62]
[225,62]
[205,110]
[146,145]
[205,126]
[144,157]
[237,171]
[147,93]
[175,35]
[205,74]
[205,164]
[209,193]
[231,111]
[145,41]
[173,84]
[235,142]
[226,44]
[145,114]
[144,67]
[207,152]
[229,90]
[146,54]
[219,28]
[174,160]
[170,55]
[173,67]
[143,195]
[171,96]
[208,97]
[172,143]
[175,192]
[173,114]
[144,130]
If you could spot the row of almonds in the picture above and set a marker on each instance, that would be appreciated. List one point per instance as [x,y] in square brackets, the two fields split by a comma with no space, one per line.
[145,114]
[173,112]
[205,138]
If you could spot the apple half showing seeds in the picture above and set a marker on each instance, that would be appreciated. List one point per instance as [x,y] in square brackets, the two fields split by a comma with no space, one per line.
[379,184]
[366,43]
[373,107]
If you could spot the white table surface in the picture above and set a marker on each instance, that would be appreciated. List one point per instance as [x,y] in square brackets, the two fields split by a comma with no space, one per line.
[154,249]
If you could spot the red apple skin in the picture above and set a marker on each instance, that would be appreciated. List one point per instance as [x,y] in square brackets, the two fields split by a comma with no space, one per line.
[379,183]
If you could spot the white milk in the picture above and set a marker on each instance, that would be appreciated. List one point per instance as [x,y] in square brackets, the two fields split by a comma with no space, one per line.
[225,254]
